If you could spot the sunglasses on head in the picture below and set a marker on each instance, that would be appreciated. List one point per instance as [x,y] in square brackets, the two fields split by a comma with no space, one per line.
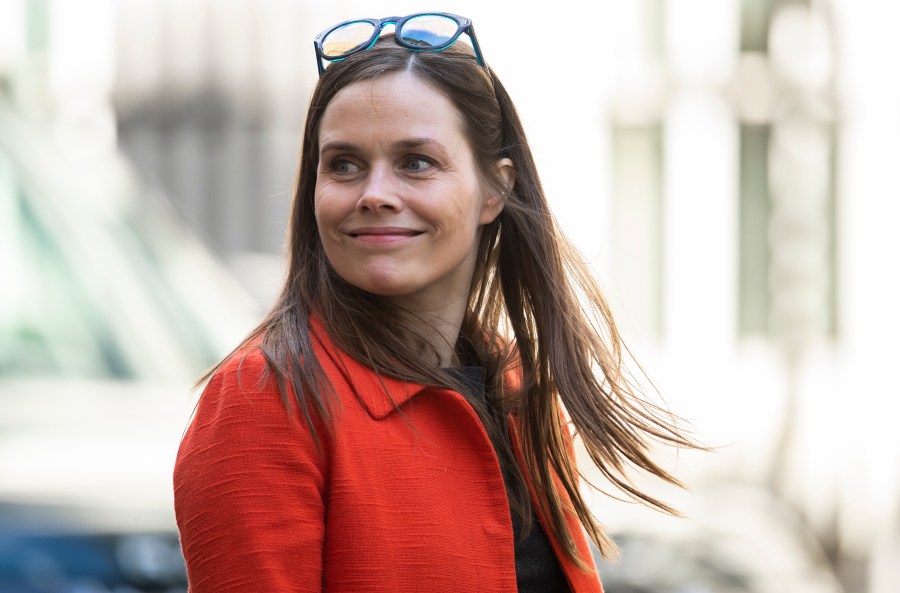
[423,31]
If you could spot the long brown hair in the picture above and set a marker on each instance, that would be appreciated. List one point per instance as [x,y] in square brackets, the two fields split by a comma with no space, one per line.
[529,283]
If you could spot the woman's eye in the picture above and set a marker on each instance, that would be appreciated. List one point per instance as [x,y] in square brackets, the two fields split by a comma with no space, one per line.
[417,164]
[344,167]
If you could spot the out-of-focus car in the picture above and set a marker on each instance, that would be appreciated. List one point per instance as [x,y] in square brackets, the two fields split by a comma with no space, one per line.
[47,549]
[110,309]
[734,539]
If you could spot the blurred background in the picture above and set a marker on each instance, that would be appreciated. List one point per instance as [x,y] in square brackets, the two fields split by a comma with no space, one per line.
[726,166]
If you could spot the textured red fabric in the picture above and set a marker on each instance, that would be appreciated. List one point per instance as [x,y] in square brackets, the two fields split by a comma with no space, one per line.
[393,502]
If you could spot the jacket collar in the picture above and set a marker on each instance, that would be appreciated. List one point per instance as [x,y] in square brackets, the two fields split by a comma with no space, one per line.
[379,394]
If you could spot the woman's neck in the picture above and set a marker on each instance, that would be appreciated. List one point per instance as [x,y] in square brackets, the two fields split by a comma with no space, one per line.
[440,327]
[442,334]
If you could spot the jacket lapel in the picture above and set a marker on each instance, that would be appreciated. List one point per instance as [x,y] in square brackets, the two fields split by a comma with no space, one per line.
[382,395]
[579,580]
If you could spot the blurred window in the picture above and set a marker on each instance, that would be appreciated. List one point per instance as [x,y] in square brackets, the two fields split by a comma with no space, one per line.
[788,265]
[638,163]
[754,207]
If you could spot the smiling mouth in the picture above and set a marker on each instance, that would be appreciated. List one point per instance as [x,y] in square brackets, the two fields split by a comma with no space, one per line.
[384,232]
[383,235]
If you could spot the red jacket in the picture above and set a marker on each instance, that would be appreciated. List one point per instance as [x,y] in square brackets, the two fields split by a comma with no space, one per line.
[395,502]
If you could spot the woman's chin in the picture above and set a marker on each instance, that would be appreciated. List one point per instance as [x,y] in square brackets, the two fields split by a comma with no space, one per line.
[385,288]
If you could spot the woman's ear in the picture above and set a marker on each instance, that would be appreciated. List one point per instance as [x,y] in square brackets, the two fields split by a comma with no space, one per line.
[507,173]
[493,202]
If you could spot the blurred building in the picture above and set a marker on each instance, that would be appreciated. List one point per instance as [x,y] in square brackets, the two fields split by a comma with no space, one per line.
[727,165]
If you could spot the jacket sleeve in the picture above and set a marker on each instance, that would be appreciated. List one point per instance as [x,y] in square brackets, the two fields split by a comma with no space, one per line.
[249,488]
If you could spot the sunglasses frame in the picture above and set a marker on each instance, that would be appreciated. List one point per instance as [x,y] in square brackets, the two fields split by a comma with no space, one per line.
[463,25]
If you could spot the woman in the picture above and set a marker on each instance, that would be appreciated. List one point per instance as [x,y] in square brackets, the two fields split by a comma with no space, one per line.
[378,431]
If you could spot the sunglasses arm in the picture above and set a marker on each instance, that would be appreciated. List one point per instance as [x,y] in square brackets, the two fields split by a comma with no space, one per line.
[318,58]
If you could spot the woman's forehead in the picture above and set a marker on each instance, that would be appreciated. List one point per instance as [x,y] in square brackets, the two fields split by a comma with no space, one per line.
[399,105]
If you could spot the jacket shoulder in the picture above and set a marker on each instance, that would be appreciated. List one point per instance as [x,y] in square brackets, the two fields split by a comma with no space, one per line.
[243,378]
[248,472]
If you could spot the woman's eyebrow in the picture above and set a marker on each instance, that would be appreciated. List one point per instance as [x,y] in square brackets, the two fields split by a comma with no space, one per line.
[329,146]
[417,142]
[405,144]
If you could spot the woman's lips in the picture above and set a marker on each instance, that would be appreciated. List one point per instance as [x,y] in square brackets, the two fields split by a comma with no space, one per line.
[383,234]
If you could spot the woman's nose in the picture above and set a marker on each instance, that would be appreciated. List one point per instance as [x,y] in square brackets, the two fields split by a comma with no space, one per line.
[380,191]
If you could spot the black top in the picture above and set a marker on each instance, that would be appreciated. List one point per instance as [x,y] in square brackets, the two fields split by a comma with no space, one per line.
[537,568]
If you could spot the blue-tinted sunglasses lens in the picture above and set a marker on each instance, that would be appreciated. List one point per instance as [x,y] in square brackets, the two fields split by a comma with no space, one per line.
[430,31]
[347,38]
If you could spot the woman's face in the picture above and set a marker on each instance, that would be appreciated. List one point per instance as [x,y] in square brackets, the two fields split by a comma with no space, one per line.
[399,203]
